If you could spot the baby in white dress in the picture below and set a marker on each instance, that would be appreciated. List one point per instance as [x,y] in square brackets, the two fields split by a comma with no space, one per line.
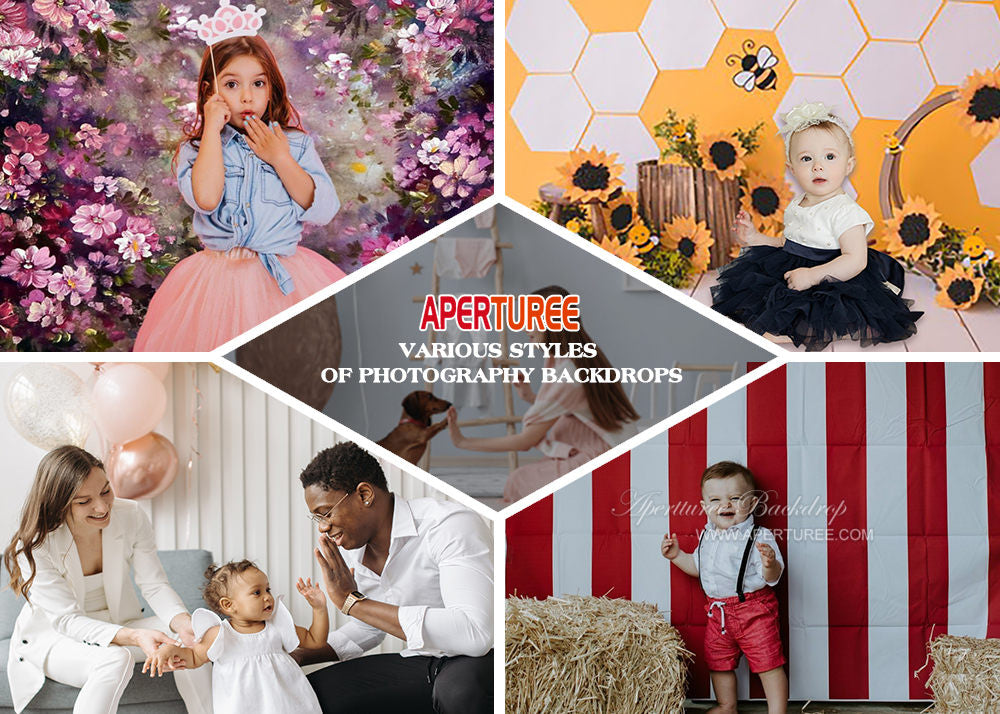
[252,668]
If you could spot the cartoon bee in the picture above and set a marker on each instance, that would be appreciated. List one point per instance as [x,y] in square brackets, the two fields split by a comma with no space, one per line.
[641,238]
[757,68]
[892,144]
[976,251]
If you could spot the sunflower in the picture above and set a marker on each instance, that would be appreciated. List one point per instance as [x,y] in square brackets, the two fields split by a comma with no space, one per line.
[625,251]
[959,288]
[690,239]
[723,154]
[619,212]
[979,99]
[913,230]
[590,175]
[765,199]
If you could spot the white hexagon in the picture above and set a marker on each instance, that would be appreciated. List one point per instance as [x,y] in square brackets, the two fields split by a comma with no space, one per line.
[625,136]
[963,38]
[756,15]
[896,19]
[546,35]
[889,80]
[820,36]
[829,90]
[681,34]
[986,174]
[551,112]
[615,72]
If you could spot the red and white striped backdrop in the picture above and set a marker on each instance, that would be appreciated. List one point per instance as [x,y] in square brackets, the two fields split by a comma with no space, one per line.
[911,450]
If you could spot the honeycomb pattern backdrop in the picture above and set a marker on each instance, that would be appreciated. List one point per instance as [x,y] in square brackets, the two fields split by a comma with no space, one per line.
[591,72]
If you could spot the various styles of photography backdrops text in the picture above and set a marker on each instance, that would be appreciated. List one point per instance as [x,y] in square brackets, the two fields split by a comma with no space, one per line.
[635,328]
[397,95]
[911,451]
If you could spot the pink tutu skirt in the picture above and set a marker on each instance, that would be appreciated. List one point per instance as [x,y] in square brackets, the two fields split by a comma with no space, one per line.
[211,297]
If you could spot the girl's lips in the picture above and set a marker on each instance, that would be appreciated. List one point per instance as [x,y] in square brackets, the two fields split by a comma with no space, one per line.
[819,180]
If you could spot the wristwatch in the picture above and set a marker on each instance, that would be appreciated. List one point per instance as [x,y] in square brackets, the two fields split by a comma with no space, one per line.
[352,599]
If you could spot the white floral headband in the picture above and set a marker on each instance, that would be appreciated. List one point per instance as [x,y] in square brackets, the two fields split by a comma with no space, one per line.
[806,115]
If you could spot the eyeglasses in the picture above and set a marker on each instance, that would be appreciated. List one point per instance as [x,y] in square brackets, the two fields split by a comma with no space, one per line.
[320,518]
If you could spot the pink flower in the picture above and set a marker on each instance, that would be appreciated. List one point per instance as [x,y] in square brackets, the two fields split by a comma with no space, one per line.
[73,163]
[43,309]
[25,138]
[437,15]
[117,138]
[28,267]
[457,177]
[373,248]
[18,63]
[410,40]
[107,185]
[54,12]
[77,285]
[12,14]
[95,221]
[23,169]
[94,14]
[126,304]
[7,318]
[133,246]
[19,37]
[90,137]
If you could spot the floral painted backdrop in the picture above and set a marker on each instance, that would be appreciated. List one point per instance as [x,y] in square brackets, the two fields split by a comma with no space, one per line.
[93,98]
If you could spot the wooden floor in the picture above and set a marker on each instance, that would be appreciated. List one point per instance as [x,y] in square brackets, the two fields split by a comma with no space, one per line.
[974,330]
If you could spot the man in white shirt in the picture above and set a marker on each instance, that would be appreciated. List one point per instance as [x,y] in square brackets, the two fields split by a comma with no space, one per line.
[420,570]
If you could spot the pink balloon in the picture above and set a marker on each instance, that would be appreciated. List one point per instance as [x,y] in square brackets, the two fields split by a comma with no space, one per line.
[157,368]
[143,468]
[129,402]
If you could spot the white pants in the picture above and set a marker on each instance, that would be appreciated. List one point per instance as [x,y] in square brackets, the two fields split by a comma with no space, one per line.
[101,673]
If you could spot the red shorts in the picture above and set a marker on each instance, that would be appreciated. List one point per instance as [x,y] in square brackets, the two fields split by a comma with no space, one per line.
[751,627]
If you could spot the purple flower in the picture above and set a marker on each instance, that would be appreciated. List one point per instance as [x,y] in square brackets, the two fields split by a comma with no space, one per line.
[7,318]
[28,267]
[109,263]
[437,15]
[107,185]
[116,138]
[90,137]
[25,138]
[22,167]
[77,285]
[43,309]
[96,221]
[459,176]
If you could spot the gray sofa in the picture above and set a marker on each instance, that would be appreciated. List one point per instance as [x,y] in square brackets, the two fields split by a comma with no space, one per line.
[144,695]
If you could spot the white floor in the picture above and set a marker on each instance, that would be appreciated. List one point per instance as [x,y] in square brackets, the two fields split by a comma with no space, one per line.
[974,330]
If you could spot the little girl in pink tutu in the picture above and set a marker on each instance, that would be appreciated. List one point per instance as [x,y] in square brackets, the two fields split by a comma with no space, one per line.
[253,177]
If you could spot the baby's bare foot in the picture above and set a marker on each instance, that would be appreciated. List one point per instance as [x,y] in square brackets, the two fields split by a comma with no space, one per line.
[723,709]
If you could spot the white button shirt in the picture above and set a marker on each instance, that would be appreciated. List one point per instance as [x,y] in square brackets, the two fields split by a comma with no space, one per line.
[439,572]
[721,553]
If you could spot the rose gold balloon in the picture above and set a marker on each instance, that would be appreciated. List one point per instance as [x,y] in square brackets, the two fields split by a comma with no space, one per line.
[143,468]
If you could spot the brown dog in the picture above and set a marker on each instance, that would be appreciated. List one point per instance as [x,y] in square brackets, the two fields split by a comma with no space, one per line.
[409,438]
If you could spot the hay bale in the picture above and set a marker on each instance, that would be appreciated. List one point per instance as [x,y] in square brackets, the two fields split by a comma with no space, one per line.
[966,676]
[589,655]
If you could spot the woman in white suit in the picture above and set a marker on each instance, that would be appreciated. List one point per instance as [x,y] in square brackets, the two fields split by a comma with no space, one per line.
[81,624]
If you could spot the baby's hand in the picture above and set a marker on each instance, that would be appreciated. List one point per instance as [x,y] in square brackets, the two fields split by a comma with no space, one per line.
[312,592]
[743,228]
[217,113]
[766,554]
[799,279]
[669,547]
[161,661]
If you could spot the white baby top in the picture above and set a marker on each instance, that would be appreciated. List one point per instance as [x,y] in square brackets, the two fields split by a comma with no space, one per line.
[821,226]
[254,672]
[721,552]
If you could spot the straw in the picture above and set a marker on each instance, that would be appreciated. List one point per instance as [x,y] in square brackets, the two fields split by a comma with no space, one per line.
[966,675]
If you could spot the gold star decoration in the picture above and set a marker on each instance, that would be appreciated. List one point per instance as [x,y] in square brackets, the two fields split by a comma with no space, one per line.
[416,268]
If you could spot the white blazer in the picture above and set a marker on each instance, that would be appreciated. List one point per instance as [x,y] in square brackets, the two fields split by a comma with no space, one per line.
[55,605]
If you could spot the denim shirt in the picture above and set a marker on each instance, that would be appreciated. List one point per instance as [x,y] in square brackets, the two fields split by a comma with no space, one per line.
[256,211]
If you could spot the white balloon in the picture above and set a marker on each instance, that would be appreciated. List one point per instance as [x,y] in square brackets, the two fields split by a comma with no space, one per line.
[49,406]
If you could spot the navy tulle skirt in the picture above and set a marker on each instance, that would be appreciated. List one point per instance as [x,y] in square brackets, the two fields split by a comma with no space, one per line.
[752,290]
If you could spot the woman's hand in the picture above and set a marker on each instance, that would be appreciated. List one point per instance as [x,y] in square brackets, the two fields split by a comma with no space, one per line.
[217,113]
[149,641]
[181,624]
[270,144]
[338,578]
[312,593]
[453,431]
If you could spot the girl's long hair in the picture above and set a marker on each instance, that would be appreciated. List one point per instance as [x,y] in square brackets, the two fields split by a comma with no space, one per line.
[60,473]
[279,107]
[607,402]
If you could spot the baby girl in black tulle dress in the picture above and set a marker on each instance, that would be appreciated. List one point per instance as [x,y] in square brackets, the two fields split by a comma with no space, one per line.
[820,281]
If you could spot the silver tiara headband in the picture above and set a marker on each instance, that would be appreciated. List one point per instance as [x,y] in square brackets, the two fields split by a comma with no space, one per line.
[806,115]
